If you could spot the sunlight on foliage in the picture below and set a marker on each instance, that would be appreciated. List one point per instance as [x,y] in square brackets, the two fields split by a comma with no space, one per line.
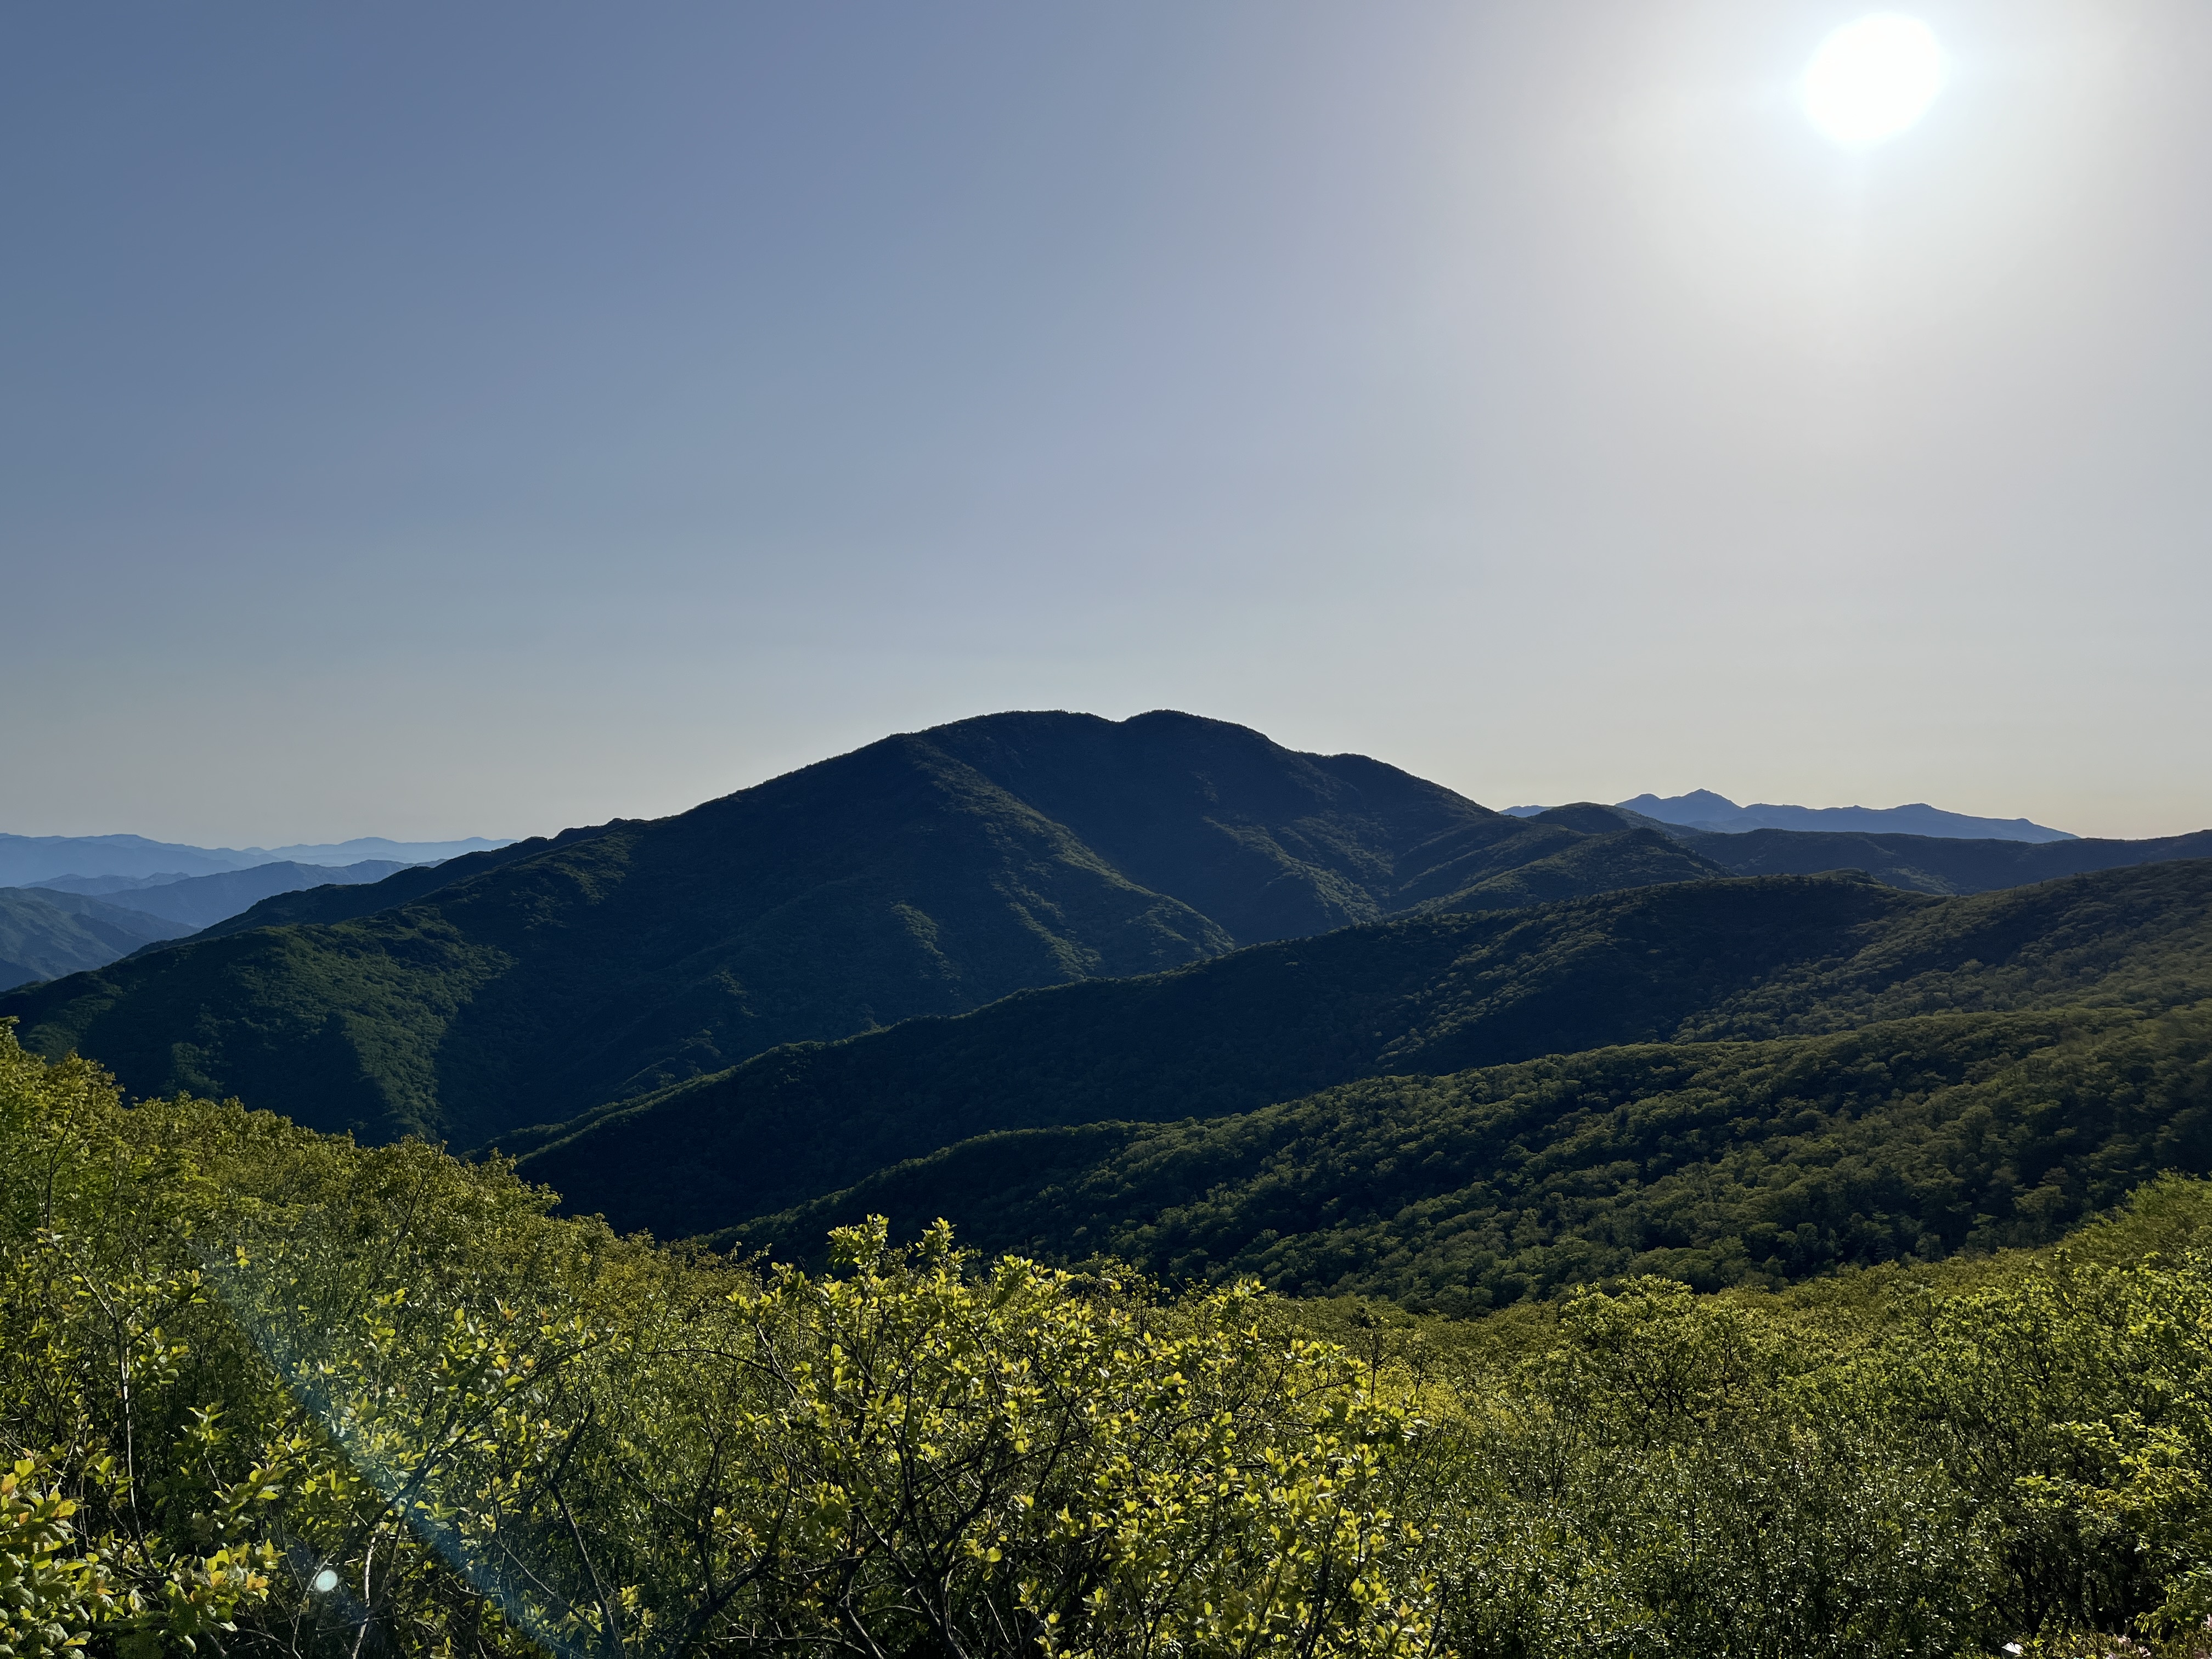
[262,1390]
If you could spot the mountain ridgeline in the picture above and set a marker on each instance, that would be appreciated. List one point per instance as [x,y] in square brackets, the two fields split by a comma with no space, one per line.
[72,924]
[1931,864]
[36,860]
[927,874]
[1164,989]
[1701,809]
[199,901]
[44,935]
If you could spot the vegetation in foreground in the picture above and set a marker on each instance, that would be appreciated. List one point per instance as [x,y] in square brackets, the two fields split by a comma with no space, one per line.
[264,1391]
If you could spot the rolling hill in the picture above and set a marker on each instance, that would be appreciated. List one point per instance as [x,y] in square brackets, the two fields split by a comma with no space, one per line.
[45,935]
[1715,1163]
[929,873]
[1705,962]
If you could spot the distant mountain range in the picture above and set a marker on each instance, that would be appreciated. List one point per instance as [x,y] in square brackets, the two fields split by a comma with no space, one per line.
[1703,810]
[34,860]
[202,900]
[71,924]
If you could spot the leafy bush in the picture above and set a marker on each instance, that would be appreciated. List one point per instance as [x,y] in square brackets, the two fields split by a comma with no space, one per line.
[293,1394]
[262,1390]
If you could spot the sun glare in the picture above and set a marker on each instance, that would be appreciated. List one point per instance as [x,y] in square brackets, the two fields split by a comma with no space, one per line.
[1872,79]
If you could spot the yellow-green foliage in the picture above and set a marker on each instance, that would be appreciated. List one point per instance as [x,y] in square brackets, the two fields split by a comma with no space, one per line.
[276,1390]
[262,1390]
[1934,1461]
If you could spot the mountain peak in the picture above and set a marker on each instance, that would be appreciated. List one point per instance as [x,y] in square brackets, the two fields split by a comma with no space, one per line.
[925,874]
[1696,807]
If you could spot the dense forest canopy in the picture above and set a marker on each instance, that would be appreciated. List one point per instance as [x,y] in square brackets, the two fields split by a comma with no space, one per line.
[1714,1164]
[266,1391]
[1769,961]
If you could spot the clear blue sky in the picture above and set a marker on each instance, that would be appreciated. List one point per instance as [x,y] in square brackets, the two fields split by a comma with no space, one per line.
[426,421]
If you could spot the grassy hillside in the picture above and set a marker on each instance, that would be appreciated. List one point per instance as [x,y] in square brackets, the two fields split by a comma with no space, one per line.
[927,874]
[1715,1163]
[44,935]
[1695,962]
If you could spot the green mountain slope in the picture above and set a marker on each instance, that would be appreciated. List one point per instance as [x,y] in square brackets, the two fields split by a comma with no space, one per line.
[927,874]
[1703,961]
[329,902]
[44,935]
[1716,1163]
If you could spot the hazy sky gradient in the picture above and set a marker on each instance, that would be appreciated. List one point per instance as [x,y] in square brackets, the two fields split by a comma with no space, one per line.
[428,420]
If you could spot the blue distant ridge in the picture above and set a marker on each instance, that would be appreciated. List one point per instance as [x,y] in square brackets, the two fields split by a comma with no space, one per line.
[1703,810]
[28,860]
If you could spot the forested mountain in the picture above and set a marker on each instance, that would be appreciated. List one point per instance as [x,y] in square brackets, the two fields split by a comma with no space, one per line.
[1715,1163]
[1703,962]
[929,873]
[1916,864]
[329,903]
[87,922]
[44,935]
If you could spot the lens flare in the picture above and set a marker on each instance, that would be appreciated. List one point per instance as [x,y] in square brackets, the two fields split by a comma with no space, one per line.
[1872,79]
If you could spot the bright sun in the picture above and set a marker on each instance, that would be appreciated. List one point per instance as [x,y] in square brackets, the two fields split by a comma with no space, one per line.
[1872,79]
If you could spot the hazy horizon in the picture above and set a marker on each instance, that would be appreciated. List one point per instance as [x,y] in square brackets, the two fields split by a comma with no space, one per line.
[426,424]
[1515,807]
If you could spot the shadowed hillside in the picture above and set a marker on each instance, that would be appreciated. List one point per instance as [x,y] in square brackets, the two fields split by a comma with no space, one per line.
[1715,1164]
[45,934]
[1693,962]
[329,902]
[929,873]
